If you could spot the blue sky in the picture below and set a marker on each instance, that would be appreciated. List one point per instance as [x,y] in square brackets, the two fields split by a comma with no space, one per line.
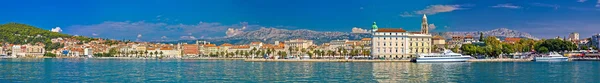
[192,19]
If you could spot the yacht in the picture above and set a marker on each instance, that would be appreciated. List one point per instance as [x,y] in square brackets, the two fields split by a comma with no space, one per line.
[552,57]
[446,56]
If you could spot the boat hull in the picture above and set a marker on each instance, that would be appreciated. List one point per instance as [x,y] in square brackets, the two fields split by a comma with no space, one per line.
[443,59]
[551,59]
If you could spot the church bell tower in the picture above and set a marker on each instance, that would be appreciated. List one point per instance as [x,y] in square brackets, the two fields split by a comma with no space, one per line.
[424,25]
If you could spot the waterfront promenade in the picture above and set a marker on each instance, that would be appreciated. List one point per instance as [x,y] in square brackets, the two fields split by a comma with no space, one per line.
[304,60]
[353,60]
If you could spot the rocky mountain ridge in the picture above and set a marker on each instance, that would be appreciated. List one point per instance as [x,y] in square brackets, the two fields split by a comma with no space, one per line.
[270,35]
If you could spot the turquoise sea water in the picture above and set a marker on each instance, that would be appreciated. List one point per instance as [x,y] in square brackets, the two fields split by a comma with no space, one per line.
[111,70]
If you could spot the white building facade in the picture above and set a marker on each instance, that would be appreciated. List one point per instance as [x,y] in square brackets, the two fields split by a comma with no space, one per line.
[395,43]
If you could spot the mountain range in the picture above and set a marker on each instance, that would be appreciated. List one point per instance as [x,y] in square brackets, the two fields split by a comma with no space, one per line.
[500,33]
[16,33]
[270,35]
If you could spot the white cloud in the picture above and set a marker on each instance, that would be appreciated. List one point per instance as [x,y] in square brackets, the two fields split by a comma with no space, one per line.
[581,0]
[187,38]
[432,26]
[433,9]
[406,14]
[508,5]
[598,3]
[57,29]
[139,35]
[94,34]
[232,32]
[359,30]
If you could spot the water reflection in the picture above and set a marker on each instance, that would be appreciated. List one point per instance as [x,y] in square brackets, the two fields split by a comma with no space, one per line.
[102,70]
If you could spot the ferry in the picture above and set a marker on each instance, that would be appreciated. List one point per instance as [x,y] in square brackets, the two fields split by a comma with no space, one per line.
[552,57]
[446,56]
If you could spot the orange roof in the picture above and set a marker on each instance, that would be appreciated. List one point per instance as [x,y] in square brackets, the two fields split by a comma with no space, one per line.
[255,42]
[469,36]
[150,48]
[437,37]
[166,48]
[349,42]
[390,30]
[241,47]
[508,39]
[366,39]
[226,44]
[211,45]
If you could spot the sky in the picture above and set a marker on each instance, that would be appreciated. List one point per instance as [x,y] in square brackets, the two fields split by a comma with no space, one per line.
[147,20]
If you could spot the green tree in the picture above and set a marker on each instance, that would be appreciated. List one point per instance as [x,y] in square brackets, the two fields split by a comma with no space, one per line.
[283,54]
[481,36]
[469,49]
[49,55]
[543,50]
[310,54]
[455,49]
[584,47]
[507,49]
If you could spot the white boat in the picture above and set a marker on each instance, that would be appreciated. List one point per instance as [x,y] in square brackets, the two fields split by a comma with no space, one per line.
[6,56]
[552,57]
[447,56]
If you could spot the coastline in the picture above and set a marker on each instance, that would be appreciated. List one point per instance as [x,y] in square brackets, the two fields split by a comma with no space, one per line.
[320,60]
[350,60]
[284,60]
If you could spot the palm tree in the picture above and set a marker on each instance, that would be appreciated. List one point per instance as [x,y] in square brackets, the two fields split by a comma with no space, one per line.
[246,54]
[155,53]
[362,49]
[310,54]
[259,52]
[237,52]
[316,52]
[119,53]
[269,51]
[161,53]
[135,53]
[303,51]
[331,53]
[146,53]
[253,51]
